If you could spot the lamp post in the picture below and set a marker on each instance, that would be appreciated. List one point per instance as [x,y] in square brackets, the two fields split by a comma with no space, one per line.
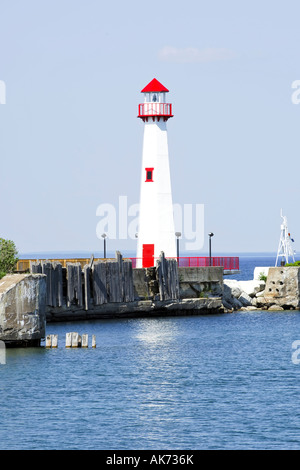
[210,235]
[104,236]
[178,234]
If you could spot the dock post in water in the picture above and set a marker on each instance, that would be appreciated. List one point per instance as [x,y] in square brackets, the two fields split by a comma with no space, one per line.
[68,340]
[75,340]
[51,341]
[54,341]
[85,341]
[48,341]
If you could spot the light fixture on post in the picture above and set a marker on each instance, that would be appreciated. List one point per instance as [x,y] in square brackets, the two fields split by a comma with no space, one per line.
[178,235]
[104,236]
[210,235]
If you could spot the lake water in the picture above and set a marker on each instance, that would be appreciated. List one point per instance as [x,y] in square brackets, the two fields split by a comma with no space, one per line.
[227,381]
[206,382]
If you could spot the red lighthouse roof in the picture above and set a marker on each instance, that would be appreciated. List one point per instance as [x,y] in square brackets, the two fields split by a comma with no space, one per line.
[154,86]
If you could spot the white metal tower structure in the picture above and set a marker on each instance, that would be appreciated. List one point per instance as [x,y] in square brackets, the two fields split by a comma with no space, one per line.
[285,248]
[156,231]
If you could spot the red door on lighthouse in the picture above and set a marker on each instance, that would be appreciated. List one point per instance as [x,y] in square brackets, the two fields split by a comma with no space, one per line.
[148,255]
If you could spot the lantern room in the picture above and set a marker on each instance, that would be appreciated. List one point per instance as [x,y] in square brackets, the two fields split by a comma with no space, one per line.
[155,102]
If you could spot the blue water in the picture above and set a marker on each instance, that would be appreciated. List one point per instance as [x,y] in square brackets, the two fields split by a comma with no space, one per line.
[223,381]
[207,382]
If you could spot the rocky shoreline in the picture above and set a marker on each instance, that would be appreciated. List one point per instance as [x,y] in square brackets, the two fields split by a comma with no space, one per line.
[244,295]
[280,291]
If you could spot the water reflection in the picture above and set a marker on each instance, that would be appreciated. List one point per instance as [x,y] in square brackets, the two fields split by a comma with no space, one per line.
[156,332]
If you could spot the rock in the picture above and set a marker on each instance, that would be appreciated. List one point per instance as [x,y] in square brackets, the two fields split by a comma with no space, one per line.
[22,309]
[260,294]
[283,287]
[245,299]
[227,305]
[252,287]
[275,308]
[259,302]
[234,287]
[249,309]
[236,303]
[230,301]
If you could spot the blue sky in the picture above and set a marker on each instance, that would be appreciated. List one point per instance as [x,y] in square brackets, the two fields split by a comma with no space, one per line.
[70,140]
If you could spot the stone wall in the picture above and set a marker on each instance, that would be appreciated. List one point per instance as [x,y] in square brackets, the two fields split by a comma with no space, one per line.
[197,282]
[283,287]
[22,309]
[194,283]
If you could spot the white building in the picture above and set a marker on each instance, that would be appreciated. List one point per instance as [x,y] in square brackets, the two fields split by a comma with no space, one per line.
[156,223]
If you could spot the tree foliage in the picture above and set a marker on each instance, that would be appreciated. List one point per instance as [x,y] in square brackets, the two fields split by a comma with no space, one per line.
[8,256]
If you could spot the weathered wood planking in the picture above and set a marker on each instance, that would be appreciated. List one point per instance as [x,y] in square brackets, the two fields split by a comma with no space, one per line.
[74,289]
[54,281]
[167,277]
[98,283]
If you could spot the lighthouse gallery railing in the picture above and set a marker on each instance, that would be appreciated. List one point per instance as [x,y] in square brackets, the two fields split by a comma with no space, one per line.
[155,109]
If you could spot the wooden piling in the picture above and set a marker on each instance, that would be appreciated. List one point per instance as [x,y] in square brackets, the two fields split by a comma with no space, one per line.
[35,267]
[85,341]
[48,341]
[54,341]
[87,286]
[128,286]
[99,283]
[51,341]
[57,285]
[93,341]
[167,277]
[68,340]
[113,281]
[74,284]
[75,339]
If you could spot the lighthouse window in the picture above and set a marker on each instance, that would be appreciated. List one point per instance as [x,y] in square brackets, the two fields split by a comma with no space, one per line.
[149,174]
[154,98]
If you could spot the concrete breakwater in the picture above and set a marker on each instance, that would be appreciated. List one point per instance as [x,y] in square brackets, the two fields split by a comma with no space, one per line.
[23,309]
[108,288]
[280,291]
[113,289]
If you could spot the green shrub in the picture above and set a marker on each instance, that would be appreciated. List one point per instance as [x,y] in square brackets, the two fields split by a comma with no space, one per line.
[8,256]
[262,277]
[297,263]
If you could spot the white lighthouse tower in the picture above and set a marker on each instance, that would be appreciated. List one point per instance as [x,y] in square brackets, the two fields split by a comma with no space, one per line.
[156,222]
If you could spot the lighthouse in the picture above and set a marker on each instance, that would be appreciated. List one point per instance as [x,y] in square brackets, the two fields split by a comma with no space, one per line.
[156,231]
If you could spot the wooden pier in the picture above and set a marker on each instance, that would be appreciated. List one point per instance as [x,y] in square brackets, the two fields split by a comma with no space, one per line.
[111,288]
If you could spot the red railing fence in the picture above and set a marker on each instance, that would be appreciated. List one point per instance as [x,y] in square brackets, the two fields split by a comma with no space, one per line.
[229,263]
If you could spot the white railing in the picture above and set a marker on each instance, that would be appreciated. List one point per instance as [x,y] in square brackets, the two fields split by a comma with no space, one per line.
[155,109]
